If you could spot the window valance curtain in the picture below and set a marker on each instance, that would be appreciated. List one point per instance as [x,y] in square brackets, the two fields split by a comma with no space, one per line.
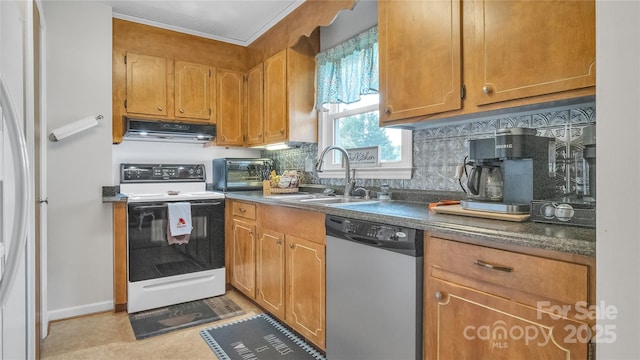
[348,70]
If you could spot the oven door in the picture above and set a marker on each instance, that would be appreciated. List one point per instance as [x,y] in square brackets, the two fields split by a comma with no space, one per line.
[150,256]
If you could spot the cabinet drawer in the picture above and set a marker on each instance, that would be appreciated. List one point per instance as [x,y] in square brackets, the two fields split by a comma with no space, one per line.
[244,210]
[524,278]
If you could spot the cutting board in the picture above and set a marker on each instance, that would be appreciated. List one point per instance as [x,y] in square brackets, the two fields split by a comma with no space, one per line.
[458,210]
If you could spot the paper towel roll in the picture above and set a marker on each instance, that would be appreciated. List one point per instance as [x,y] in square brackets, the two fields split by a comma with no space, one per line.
[74,127]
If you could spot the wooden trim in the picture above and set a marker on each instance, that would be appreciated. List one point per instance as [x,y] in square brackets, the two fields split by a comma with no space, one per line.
[119,256]
[149,40]
[303,21]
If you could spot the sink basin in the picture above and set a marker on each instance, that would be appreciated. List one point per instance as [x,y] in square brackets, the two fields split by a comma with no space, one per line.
[336,200]
[294,196]
[319,199]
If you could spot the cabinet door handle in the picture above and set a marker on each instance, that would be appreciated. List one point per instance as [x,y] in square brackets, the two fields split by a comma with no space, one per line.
[260,135]
[279,242]
[181,110]
[486,89]
[388,109]
[438,296]
[223,138]
[292,246]
[281,131]
[493,266]
[160,108]
[242,209]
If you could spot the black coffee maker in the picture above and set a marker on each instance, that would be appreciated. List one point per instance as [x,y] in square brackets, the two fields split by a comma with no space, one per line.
[515,159]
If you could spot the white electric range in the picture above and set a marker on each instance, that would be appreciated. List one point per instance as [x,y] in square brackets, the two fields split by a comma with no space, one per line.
[163,269]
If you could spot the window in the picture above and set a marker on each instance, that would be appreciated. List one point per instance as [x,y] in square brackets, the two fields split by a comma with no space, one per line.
[347,95]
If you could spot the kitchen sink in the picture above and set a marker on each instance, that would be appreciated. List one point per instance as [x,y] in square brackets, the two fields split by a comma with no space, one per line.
[334,201]
[319,199]
[294,196]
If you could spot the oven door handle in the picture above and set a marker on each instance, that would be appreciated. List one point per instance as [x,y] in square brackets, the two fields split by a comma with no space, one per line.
[146,207]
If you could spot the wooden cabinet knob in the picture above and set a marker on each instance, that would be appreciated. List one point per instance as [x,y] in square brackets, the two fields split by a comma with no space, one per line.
[388,109]
[438,296]
[486,89]
[279,242]
[160,108]
[181,110]
[292,246]
[223,138]
[260,135]
[281,131]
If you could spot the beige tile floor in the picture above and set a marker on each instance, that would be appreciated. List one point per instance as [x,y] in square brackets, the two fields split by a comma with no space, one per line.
[109,336]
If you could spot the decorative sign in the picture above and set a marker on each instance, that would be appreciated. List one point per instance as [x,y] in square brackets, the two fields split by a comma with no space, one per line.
[364,156]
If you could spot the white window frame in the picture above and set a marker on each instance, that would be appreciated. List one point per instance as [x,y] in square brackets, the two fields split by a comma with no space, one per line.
[386,169]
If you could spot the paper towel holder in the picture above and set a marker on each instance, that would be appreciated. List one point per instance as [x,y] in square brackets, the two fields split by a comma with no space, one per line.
[74,128]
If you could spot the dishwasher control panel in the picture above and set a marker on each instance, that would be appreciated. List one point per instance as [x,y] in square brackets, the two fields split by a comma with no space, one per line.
[376,231]
[385,236]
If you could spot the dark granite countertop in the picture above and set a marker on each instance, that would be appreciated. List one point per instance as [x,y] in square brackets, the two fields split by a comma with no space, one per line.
[567,239]
[112,194]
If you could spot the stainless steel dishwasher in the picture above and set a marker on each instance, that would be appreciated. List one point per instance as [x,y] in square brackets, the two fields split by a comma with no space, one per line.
[374,290]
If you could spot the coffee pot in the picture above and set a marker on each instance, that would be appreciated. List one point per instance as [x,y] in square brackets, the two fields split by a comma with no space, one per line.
[484,183]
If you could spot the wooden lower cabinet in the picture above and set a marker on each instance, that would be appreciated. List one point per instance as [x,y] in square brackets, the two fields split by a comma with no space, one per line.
[486,303]
[462,323]
[270,272]
[288,266]
[305,276]
[242,257]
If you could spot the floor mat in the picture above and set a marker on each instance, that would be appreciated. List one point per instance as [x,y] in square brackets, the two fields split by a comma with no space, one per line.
[259,337]
[162,320]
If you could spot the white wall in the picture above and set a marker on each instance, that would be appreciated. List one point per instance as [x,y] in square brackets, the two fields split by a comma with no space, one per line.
[80,276]
[80,232]
[618,131]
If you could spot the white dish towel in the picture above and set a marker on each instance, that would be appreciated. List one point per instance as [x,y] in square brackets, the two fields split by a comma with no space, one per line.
[179,218]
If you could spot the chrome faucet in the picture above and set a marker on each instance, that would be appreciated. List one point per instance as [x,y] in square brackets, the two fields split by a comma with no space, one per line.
[350,182]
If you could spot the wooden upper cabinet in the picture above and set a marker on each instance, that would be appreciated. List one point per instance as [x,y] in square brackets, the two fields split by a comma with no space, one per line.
[420,58]
[146,85]
[192,95]
[229,113]
[255,108]
[275,98]
[529,48]
[280,98]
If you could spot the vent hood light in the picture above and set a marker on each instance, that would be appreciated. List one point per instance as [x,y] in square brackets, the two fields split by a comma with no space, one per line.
[278,146]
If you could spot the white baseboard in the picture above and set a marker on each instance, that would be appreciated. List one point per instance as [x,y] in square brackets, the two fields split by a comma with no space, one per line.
[80,310]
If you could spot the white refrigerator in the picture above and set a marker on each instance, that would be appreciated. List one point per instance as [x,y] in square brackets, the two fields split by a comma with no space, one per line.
[17,269]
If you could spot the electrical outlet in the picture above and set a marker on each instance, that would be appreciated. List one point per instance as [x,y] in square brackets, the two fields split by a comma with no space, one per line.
[458,173]
[308,165]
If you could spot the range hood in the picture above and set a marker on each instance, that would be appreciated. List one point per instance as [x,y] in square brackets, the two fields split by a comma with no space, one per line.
[146,130]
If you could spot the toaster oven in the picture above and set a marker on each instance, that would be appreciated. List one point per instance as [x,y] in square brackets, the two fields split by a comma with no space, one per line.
[234,174]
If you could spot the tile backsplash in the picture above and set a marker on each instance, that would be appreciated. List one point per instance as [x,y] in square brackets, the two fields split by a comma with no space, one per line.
[439,149]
